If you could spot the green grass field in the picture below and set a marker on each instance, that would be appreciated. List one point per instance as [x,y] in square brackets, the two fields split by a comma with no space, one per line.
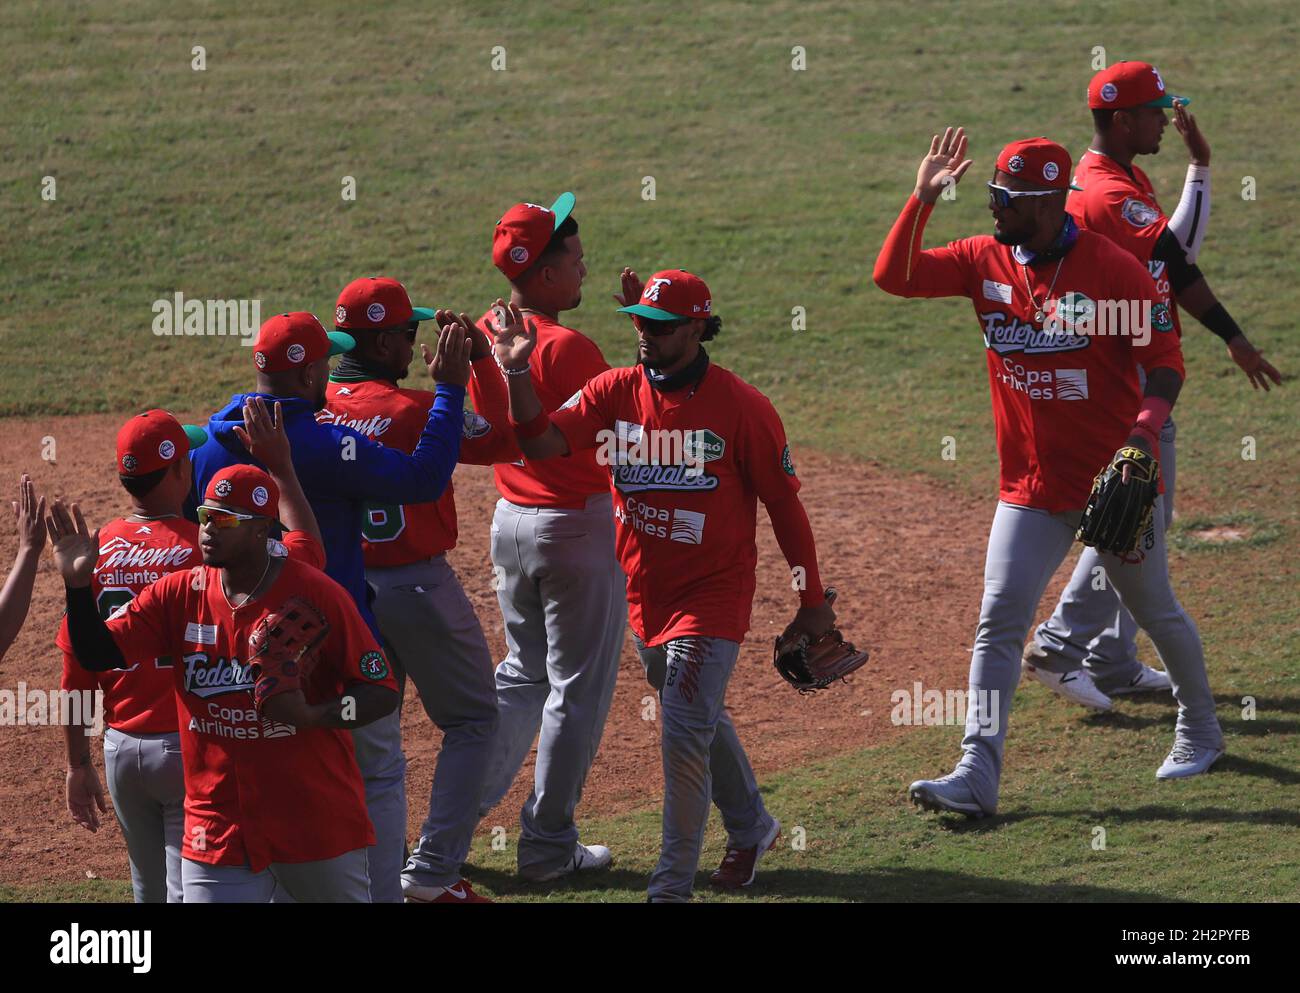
[777,186]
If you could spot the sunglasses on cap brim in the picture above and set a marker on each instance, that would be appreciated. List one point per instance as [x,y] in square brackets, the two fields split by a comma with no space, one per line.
[220,518]
[1000,196]
[657,329]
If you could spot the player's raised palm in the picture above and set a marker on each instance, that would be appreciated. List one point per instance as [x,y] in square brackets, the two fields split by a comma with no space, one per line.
[944,166]
[632,287]
[515,337]
[75,548]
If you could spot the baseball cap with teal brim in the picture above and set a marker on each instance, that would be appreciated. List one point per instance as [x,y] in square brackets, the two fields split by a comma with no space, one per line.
[525,230]
[1130,84]
[673,295]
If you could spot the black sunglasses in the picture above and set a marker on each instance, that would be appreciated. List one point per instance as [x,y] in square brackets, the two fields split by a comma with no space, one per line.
[657,329]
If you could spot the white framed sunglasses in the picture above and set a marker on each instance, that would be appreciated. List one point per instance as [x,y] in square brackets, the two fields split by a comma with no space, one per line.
[1000,196]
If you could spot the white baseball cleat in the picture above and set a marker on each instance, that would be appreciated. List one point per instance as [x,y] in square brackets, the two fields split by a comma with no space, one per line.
[1188,760]
[947,795]
[586,858]
[1077,687]
[1147,681]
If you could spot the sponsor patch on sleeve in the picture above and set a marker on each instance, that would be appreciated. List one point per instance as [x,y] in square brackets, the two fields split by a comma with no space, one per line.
[475,426]
[1139,214]
[374,666]
[787,463]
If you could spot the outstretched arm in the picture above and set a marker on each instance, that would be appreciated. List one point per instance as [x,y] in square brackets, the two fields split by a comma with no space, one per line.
[16,597]
[903,268]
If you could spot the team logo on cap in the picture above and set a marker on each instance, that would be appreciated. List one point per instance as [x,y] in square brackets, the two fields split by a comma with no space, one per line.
[260,495]
[1109,92]
[1159,82]
[223,488]
[1015,163]
[129,463]
[167,449]
[340,314]
[1050,171]
[259,358]
[519,255]
[656,284]
[295,353]
[375,313]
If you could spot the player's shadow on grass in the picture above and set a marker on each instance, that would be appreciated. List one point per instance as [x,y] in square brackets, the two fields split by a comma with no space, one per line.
[1284,816]
[911,885]
[506,882]
[1263,723]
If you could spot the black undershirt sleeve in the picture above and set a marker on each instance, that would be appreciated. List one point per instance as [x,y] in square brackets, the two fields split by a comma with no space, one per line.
[1182,273]
[92,642]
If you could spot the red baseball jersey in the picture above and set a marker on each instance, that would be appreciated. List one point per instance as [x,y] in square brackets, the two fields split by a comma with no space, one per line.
[1063,402]
[1124,208]
[685,533]
[562,363]
[132,555]
[398,534]
[257,791]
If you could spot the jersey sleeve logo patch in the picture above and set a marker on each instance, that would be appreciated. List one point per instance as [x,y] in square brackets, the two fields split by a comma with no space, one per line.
[572,401]
[475,426]
[373,666]
[787,463]
[1139,214]
[1161,317]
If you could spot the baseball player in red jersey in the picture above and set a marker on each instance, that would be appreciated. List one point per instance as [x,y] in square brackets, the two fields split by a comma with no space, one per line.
[691,448]
[16,595]
[274,799]
[558,580]
[429,629]
[142,751]
[1065,398]
[1087,650]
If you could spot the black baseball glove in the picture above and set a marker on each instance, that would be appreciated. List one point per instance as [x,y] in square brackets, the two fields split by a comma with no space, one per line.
[1117,511]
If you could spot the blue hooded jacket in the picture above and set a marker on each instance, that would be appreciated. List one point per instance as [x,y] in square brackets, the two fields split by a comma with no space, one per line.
[340,471]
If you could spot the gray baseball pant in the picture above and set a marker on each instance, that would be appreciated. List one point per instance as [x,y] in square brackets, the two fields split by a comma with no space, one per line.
[703,759]
[147,783]
[1026,546]
[342,879]
[564,607]
[1090,627]
[431,632]
[378,748]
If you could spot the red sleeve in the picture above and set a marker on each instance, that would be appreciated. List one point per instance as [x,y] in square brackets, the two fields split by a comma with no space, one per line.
[1115,210]
[905,270]
[75,677]
[304,548]
[491,400]
[794,535]
[351,647]
[571,361]
[584,415]
[147,629]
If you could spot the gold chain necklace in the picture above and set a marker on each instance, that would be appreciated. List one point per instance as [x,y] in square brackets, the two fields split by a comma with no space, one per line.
[1039,308]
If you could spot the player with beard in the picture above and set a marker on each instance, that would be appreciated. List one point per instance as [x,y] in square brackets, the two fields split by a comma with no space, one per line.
[341,472]
[559,585]
[686,514]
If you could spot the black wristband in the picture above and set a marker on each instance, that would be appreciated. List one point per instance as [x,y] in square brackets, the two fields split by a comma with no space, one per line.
[1218,320]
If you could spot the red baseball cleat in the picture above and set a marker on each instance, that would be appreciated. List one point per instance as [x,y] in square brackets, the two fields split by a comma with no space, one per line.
[740,865]
[460,893]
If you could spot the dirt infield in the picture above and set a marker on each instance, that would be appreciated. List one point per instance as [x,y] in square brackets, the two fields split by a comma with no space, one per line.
[906,554]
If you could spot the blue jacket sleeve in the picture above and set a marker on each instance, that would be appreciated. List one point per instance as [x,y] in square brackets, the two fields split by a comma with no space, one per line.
[387,475]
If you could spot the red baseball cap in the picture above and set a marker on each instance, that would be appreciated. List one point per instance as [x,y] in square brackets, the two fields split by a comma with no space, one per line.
[673,295]
[1037,160]
[375,303]
[152,440]
[524,232]
[1130,84]
[246,488]
[290,340]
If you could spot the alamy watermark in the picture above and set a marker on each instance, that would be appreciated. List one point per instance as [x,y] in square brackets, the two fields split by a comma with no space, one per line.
[222,318]
[919,706]
[64,708]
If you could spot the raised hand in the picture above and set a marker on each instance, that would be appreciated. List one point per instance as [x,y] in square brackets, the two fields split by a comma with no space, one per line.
[944,166]
[1198,149]
[450,363]
[515,337]
[1252,362]
[632,288]
[30,514]
[75,548]
[480,343]
[263,435]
